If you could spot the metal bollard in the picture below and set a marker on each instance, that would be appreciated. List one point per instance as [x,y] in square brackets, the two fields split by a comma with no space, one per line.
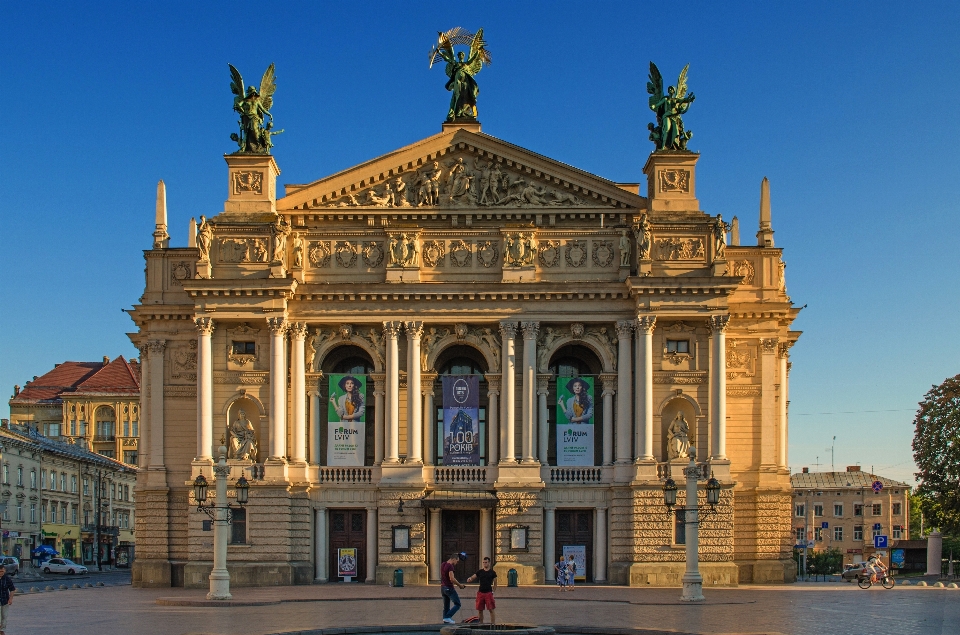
[398,577]
[512,577]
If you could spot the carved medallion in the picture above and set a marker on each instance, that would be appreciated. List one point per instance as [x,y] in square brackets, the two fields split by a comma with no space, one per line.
[433,253]
[744,269]
[576,253]
[319,253]
[346,254]
[674,180]
[602,253]
[248,182]
[487,253]
[549,253]
[373,254]
[461,330]
[460,253]
[345,331]
[180,271]
[576,330]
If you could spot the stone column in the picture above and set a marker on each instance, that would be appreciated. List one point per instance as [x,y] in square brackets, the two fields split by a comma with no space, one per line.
[624,392]
[372,529]
[644,433]
[298,336]
[155,366]
[315,427]
[436,557]
[205,328]
[414,398]
[493,411]
[429,421]
[143,459]
[600,551]
[543,387]
[609,390]
[321,545]
[549,543]
[486,534]
[508,331]
[529,399]
[782,352]
[718,381]
[391,437]
[768,402]
[379,391]
[278,390]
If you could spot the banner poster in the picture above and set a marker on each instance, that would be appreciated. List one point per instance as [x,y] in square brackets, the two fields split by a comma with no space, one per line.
[347,563]
[346,419]
[461,420]
[575,420]
[579,553]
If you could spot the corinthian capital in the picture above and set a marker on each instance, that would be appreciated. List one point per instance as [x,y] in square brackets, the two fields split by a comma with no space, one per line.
[414,330]
[645,323]
[508,330]
[204,325]
[718,323]
[625,329]
[769,344]
[158,346]
[277,325]
[392,329]
[298,330]
[530,330]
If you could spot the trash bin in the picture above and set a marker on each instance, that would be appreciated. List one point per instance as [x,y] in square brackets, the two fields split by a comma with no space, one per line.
[512,577]
[398,577]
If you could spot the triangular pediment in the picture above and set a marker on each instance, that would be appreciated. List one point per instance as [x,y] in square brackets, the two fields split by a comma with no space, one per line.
[462,169]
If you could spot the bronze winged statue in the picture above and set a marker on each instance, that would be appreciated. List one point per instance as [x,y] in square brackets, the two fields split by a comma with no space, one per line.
[669,134]
[461,70]
[256,122]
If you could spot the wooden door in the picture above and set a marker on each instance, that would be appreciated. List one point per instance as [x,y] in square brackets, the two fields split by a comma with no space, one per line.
[461,532]
[575,527]
[348,528]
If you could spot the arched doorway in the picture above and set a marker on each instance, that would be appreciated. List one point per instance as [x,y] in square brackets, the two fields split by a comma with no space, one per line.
[352,361]
[573,361]
[460,360]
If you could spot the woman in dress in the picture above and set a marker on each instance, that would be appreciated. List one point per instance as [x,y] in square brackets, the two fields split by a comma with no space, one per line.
[350,406]
[579,407]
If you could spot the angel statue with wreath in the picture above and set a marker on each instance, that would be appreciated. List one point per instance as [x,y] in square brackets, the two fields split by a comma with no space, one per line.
[461,70]
[254,108]
[669,133]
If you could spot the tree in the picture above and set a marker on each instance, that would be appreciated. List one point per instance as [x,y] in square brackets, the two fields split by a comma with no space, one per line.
[936,451]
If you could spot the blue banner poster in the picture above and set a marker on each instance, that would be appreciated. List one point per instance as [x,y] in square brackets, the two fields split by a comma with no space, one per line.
[575,421]
[346,420]
[461,420]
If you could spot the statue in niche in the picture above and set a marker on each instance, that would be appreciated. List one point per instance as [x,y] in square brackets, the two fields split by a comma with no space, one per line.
[720,229]
[204,238]
[669,134]
[461,70]
[279,231]
[254,108]
[678,438]
[624,249]
[243,438]
[644,238]
[297,251]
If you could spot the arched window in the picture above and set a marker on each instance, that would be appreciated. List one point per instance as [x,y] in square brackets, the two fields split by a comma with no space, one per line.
[575,360]
[460,360]
[347,360]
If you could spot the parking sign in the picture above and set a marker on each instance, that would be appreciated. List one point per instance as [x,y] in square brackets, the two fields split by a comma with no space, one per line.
[824,525]
[879,542]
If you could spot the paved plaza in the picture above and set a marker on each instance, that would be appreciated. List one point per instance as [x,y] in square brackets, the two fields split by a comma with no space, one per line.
[801,609]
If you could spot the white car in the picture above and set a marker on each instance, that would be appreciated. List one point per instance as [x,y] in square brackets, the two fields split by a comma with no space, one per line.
[63,565]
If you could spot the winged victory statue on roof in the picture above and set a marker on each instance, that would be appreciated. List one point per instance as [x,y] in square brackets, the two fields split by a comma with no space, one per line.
[461,70]
[669,134]
[256,122]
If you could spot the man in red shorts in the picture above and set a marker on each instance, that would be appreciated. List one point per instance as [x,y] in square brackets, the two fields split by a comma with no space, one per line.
[487,578]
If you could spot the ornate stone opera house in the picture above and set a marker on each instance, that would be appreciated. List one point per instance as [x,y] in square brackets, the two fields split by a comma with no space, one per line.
[462,255]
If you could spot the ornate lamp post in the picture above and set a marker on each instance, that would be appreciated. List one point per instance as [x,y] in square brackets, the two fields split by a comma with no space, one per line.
[692,580]
[222,517]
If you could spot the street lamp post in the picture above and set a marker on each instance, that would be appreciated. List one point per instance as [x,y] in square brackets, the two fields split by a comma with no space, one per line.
[692,580]
[222,516]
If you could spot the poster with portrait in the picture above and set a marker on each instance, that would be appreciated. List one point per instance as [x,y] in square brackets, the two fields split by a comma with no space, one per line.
[346,419]
[575,406]
[347,563]
[461,420]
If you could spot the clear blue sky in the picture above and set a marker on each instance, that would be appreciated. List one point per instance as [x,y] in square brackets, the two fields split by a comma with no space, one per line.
[849,108]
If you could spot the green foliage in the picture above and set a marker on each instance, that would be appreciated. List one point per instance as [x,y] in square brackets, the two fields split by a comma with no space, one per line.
[916,504]
[936,451]
[825,562]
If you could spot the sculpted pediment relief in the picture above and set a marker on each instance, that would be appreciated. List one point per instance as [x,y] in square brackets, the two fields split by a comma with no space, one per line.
[461,170]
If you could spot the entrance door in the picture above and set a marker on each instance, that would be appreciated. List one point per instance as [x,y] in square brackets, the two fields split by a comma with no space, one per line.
[575,527]
[461,532]
[348,529]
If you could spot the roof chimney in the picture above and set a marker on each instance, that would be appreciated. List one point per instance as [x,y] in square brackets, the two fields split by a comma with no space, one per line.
[16,390]
[106,360]
[806,470]
[853,468]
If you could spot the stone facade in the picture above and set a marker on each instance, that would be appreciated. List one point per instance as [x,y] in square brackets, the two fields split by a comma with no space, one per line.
[464,254]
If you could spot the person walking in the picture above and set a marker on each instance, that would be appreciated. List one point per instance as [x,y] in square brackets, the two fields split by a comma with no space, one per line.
[487,578]
[571,573]
[561,568]
[448,584]
[6,597]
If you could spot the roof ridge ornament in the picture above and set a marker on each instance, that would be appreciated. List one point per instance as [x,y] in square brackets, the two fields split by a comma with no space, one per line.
[461,70]
[669,134]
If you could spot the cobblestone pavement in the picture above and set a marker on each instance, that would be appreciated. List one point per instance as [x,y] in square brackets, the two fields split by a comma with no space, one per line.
[794,610]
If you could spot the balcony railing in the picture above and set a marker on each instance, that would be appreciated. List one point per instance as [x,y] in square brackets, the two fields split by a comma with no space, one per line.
[346,475]
[576,475]
[453,474]
[105,437]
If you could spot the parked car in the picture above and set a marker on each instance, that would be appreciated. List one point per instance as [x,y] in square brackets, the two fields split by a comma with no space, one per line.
[852,571]
[63,565]
[12,563]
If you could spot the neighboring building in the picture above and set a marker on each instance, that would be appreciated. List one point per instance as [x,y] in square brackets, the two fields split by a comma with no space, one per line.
[95,401]
[53,499]
[851,510]
[462,254]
